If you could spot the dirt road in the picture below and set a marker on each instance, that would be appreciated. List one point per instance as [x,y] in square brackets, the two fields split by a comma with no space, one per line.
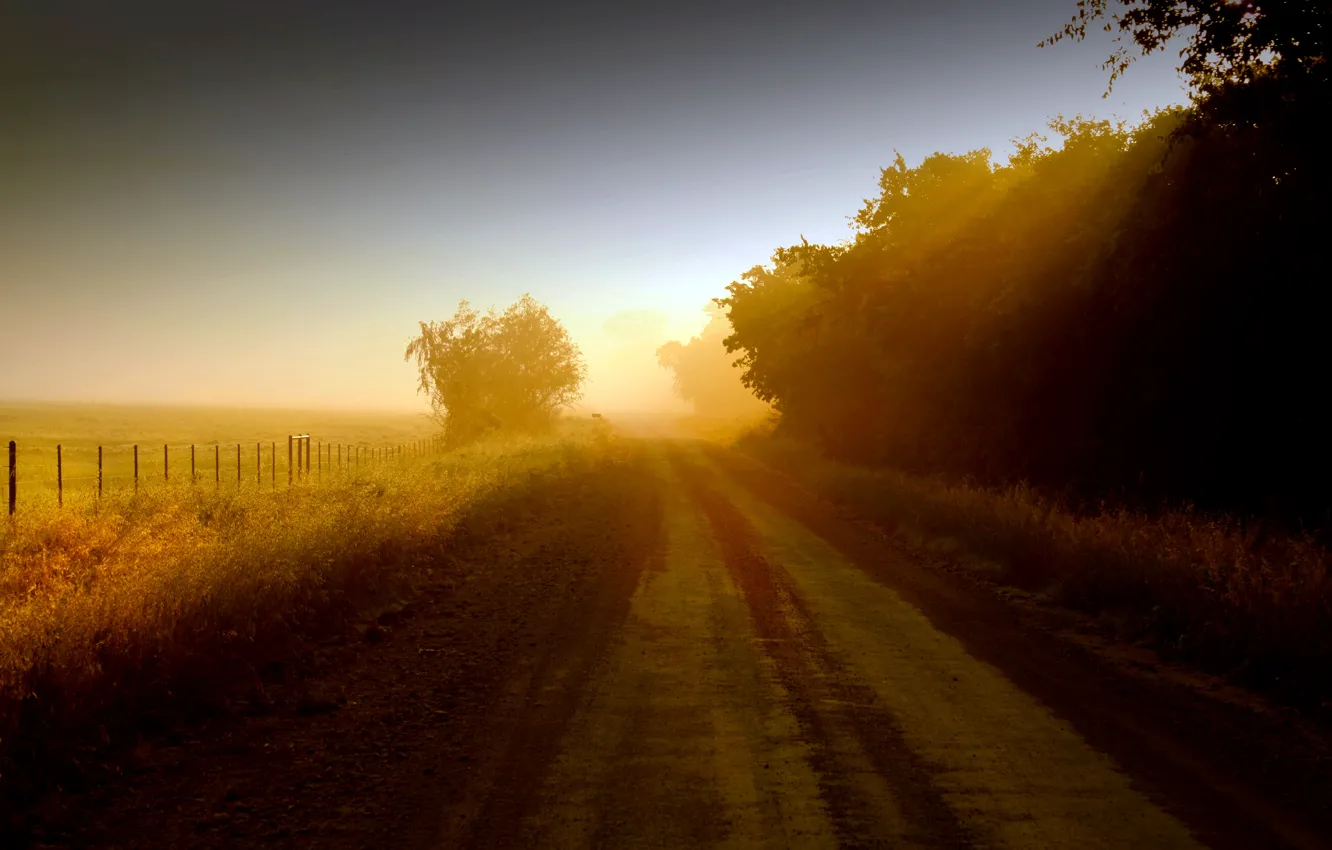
[722,661]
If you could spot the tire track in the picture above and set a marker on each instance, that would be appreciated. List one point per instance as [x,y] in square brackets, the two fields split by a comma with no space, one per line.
[841,718]
[548,695]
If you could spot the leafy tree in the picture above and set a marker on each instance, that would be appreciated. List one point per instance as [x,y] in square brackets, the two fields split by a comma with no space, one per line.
[704,373]
[1228,41]
[484,371]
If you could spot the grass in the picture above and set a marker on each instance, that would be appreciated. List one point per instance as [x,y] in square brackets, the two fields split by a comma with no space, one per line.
[80,428]
[1203,589]
[118,613]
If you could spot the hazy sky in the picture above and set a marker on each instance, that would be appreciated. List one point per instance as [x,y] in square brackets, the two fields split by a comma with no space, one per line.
[253,203]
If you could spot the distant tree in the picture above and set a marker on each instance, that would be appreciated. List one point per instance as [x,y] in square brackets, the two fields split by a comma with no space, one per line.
[705,374]
[485,371]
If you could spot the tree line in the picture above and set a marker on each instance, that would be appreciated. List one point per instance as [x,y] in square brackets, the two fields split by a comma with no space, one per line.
[1114,312]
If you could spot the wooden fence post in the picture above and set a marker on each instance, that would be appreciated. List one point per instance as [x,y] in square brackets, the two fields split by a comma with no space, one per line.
[290,471]
[136,468]
[13,477]
[273,463]
[166,463]
[60,476]
[238,471]
[307,455]
[217,464]
[99,472]
[193,474]
[319,462]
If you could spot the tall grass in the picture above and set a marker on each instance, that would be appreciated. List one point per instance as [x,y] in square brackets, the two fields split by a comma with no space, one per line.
[111,610]
[1207,589]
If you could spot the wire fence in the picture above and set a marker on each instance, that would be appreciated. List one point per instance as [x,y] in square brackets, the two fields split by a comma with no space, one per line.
[39,472]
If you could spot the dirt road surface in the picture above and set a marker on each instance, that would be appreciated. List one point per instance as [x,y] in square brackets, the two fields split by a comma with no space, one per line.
[695,653]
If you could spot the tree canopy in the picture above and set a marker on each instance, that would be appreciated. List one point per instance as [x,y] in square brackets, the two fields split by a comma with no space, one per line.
[484,371]
[704,372]
[1115,311]
[1227,42]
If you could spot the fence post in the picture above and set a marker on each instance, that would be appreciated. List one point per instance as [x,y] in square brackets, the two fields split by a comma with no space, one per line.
[13,477]
[99,472]
[238,472]
[259,464]
[217,464]
[290,472]
[60,476]
[136,468]
[273,463]
[307,455]
[319,462]
[166,462]
[193,474]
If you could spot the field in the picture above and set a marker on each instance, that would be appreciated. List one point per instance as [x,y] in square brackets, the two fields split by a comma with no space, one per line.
[80,429]
[141,605]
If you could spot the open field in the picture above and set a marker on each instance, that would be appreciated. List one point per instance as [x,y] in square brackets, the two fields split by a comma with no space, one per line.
[139,606]
[80,428]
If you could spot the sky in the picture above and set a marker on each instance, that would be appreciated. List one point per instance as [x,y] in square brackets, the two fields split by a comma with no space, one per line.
[237,202]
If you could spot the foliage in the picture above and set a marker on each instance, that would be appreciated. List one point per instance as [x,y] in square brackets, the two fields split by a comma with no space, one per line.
[704,373]
[1238,602]
[1228,42]
[113,611]
[484,371]
[1115,312]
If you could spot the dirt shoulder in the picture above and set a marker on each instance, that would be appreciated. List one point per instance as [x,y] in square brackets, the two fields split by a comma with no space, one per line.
[362,739]
[1237,776]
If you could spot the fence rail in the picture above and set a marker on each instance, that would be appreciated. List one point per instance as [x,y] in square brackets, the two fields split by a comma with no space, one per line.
[327,456]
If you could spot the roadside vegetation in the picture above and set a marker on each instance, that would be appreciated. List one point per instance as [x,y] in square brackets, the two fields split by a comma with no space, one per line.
[123,613]
[118,616]
[1229,597]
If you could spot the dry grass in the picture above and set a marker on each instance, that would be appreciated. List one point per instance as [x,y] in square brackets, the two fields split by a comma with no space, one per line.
[113,612]
[1201,588]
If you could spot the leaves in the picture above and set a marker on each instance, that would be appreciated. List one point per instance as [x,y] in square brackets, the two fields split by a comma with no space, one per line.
[485,371]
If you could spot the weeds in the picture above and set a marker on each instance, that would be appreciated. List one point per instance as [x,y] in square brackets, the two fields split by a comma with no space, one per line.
[114,614]
[1257,608]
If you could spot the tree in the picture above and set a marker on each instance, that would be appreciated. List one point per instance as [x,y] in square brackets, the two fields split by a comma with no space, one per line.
[1228,41]
[705,374]
[484,371]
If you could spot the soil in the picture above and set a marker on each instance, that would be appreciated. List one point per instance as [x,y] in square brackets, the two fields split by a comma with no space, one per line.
[690,650]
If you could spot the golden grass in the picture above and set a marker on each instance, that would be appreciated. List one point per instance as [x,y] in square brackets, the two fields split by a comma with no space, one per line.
[109,609]
[80,428]
[1202,588]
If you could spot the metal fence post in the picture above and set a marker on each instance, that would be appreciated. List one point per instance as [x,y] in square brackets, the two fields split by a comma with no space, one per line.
[273,463]
[60,476]
[193,474]
[99,472]
[13,477]
[238,471]
[166,462]
[290,471]
[136,469]
[217,464]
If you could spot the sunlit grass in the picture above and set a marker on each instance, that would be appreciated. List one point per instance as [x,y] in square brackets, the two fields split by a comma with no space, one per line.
[110,606]
[1204,588]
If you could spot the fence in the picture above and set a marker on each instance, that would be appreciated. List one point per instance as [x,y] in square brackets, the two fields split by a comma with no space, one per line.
[126,459]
